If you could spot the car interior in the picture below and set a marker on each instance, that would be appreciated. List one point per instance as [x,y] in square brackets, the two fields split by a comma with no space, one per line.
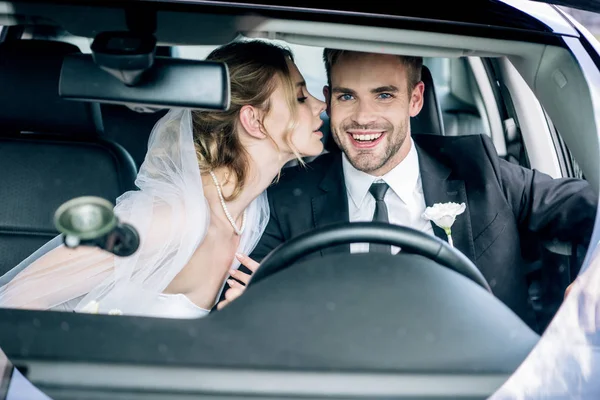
[111,140]
[54,149]
[119,134]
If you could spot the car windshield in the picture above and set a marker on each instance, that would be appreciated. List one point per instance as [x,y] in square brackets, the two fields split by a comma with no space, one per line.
[353,203]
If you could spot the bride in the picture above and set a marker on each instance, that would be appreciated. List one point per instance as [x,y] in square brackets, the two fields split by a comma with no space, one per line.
[201,204]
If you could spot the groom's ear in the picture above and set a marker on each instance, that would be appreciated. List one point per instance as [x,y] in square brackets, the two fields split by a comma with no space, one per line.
[327,95]
[250,118]
[416,99]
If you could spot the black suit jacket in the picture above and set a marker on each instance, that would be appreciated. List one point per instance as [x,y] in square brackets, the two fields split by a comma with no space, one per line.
[503,202]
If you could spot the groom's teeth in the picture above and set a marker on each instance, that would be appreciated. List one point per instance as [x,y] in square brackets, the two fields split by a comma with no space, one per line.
[372,136]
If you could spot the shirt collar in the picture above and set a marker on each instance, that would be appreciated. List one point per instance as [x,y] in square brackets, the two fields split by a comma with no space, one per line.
[402,179]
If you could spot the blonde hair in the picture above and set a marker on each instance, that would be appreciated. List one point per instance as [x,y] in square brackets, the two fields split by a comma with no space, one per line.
[254,67]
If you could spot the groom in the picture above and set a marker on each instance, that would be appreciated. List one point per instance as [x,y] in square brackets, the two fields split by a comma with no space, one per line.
[384,173]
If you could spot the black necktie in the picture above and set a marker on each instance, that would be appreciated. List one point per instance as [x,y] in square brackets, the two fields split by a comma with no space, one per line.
[378,190]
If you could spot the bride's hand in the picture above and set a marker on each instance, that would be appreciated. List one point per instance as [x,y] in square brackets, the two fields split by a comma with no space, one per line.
[236,288]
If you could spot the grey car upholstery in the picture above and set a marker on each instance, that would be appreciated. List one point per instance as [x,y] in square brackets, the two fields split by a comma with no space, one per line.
[461,118]
[50,150]
[456,91]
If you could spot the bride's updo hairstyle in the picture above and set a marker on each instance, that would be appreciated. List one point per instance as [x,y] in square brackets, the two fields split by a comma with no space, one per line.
[253,69]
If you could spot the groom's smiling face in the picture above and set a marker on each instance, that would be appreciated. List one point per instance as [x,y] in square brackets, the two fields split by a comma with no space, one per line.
[370,106]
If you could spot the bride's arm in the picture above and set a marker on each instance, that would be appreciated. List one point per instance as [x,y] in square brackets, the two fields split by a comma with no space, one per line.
[64,273]
[58,276]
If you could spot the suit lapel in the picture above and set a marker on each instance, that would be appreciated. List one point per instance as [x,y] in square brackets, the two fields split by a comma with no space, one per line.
[331,206]
[438,187]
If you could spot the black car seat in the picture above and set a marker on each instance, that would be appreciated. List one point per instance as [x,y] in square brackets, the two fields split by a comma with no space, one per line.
[50,149]
[129,128]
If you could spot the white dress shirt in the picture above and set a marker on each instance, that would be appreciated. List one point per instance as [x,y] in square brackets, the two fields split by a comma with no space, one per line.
[404,199]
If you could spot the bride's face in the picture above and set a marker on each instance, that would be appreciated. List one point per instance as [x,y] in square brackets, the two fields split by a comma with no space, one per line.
[305,136]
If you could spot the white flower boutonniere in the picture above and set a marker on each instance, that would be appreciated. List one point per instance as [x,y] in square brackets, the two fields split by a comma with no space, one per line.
[444,215]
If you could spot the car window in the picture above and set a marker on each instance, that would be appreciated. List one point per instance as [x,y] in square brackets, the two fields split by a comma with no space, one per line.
[462,106]
[464,110]
[91,145]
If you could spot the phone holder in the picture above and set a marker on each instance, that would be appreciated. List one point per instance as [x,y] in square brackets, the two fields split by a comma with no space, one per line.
[90,221]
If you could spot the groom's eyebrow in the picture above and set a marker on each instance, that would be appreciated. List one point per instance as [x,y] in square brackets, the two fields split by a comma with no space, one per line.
[385,89]
[380,89]
[338,89]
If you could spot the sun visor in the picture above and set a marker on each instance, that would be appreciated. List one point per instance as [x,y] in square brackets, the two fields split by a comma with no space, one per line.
[169,83]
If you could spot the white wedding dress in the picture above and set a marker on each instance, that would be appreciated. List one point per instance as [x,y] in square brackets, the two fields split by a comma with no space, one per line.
[171,215]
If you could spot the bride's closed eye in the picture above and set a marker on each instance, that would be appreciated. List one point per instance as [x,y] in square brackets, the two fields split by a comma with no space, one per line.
[301,93]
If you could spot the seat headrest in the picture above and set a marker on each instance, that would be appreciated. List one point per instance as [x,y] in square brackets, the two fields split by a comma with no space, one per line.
[428,121]
[29,100]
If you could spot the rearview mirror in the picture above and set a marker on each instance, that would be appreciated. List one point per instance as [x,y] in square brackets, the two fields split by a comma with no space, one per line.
[169,83]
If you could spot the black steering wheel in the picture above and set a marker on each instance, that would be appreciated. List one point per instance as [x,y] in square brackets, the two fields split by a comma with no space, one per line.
[408,239]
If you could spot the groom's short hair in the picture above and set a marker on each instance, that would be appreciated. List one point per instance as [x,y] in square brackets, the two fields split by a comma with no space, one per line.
[414,65]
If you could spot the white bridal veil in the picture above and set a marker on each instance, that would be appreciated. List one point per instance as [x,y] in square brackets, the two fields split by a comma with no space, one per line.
[171,215]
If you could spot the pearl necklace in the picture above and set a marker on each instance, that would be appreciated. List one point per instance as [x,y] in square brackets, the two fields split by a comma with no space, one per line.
[227,214]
